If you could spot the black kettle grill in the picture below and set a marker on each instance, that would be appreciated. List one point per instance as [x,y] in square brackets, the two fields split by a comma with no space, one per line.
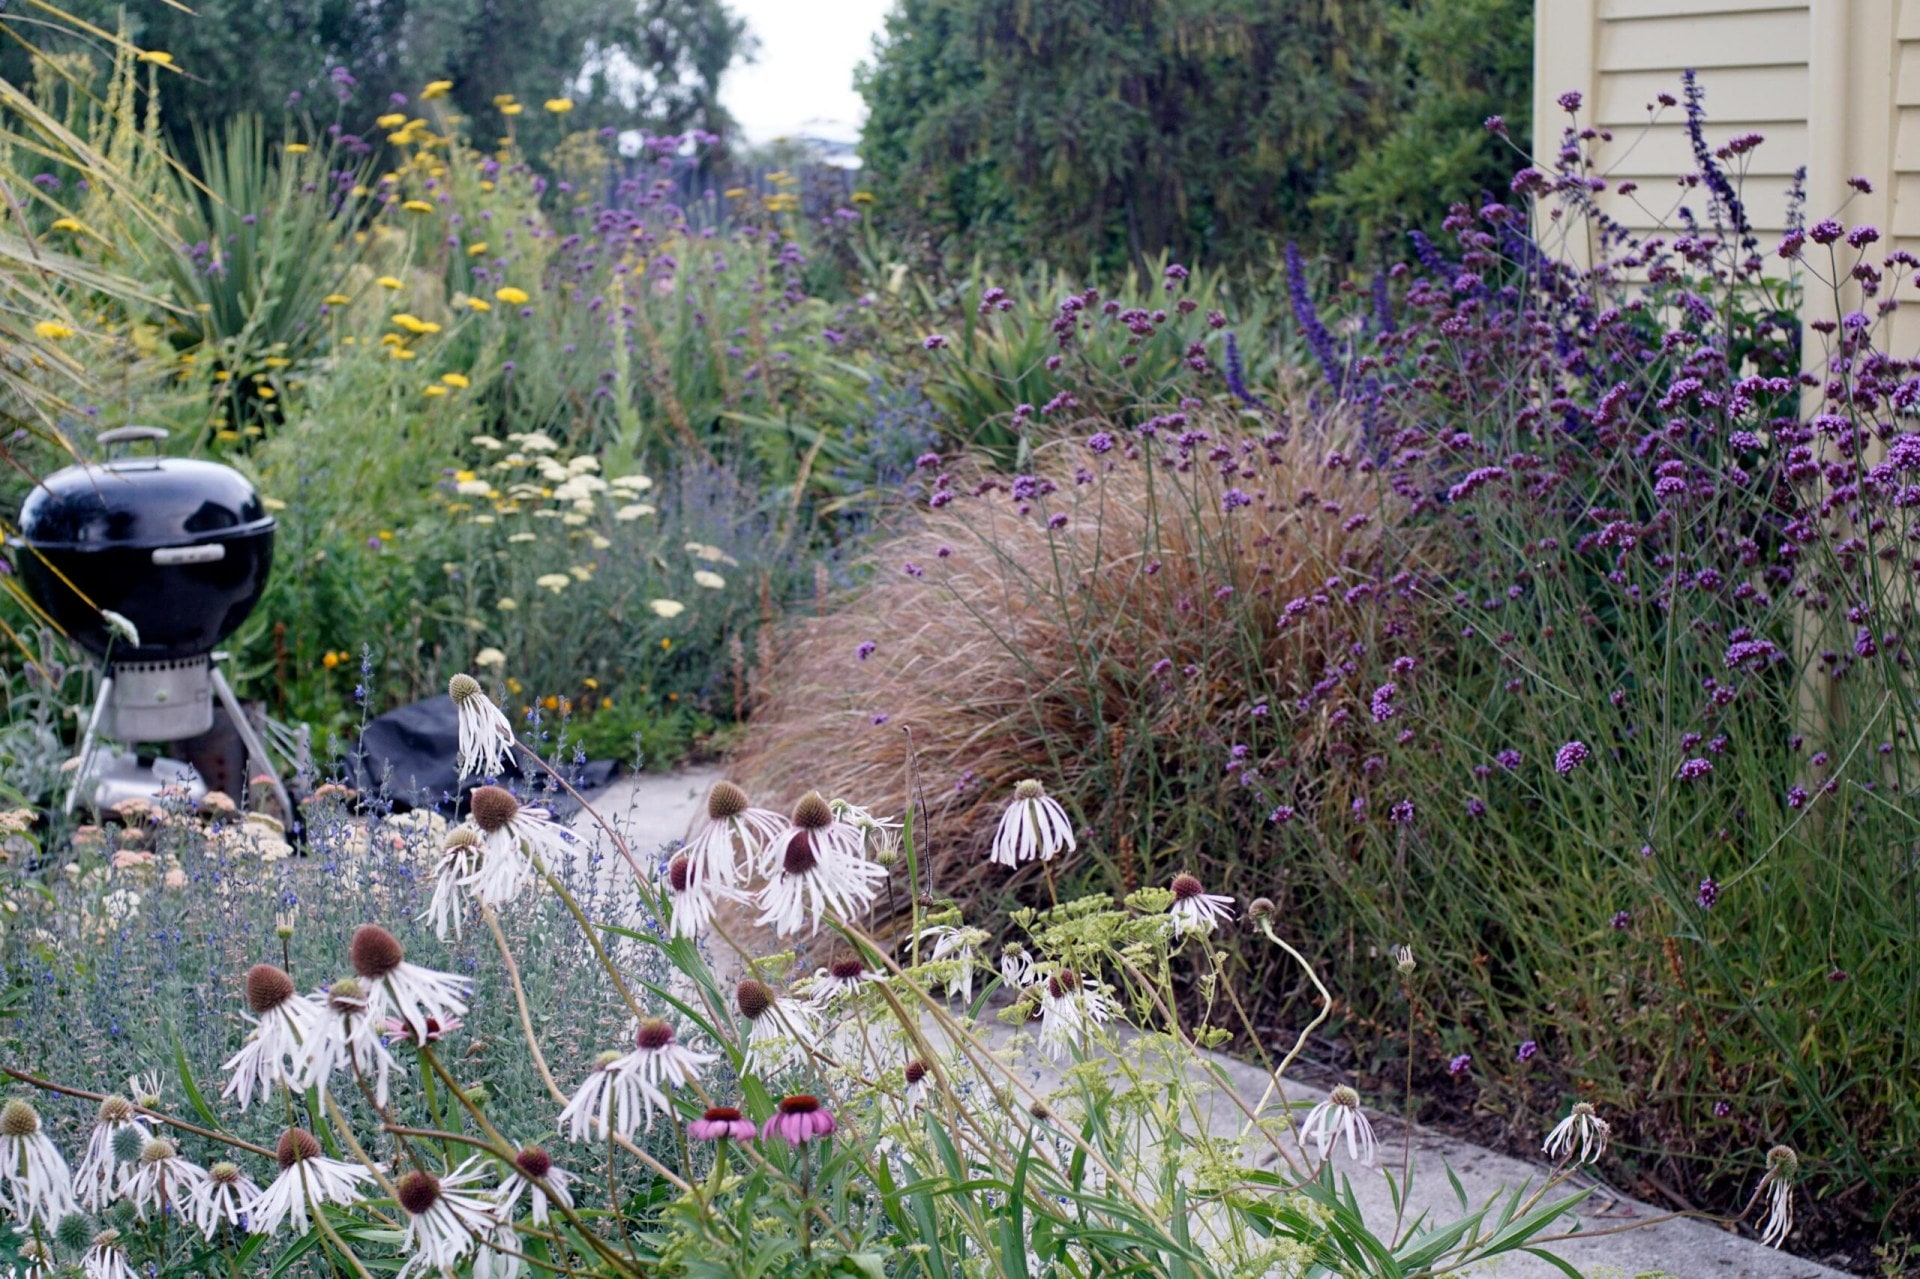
[148,563]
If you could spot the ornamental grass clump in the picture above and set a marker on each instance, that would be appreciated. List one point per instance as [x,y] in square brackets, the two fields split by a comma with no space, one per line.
[905,1131]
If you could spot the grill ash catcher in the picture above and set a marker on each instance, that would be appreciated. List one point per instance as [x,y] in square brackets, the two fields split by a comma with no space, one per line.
[178,548]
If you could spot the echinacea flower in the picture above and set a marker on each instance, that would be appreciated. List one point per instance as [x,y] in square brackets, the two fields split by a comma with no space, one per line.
[1195,910]
[444,1216]
[345,1032]
[106,1258]
[816,866]
[460,858]
[693,896]
[955,955]
[486,735]
[533,1174]
[399,989]
[721,1123]
[1340,1115]
[733,835]
[917,1086]
[1582,1131]
[1068,1006]
[1034,825]
[612,1101]
[307,1180]
[101,1175]
[844,976]
[780,1029]
[1783,1169]
[660,1061]
[283,1020]
[164,1181]
[34,1177]
[225,1198]
[798,1119]
[510,836]
[395,1031]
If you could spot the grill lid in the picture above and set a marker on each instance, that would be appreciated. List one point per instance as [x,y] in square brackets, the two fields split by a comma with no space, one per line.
[140,502]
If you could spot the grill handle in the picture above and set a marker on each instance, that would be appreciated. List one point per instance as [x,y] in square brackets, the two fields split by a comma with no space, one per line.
[204,553]
[129,434]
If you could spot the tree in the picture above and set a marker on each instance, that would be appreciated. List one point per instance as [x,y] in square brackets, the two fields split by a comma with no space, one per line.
[652,64]
[1108,130]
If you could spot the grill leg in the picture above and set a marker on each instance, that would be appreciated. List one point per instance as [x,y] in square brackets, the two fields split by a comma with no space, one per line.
[256,749]
[89,743]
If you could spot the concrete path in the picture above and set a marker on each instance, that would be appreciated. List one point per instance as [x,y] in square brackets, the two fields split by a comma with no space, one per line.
[652,810]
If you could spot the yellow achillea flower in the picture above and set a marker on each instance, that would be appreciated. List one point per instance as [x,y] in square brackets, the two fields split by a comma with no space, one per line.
[68,224]
[414,324]
[392,121]
[435,89]
[559,106]
[456,380]
[737,193]
[436,390]
[475,249]
[863,197]
[512,296]
[266,392]
[389,282]
[157,56]
[53,330]
[502,99]
[400,353]
[480,304]
[512,108]
[277,361]
[336,299]
[297,148]
[417,206]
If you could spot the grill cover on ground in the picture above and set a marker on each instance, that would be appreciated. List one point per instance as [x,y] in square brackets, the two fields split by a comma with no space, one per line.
[408,753]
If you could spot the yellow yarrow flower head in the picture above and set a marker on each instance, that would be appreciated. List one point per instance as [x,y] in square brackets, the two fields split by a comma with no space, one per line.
[512,108]
[475,249]
[479,304]
[435,89]
[53,330]
[512,296]
[296,148]
[559,106]
[157,56]
[389,282]
[392,120]
[417,206]
[68,224]
[436,390]
[502,99]
[458,380]
[336,299]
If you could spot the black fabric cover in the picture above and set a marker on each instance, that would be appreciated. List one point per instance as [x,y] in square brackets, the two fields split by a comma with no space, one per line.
[408,754]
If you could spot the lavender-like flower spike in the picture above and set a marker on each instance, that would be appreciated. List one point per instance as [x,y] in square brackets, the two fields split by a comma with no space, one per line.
[1237,378]
[1332,362]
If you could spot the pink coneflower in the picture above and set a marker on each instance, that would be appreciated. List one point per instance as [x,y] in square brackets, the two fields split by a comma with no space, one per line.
[37,1183]
[445,1216]
[486,735]
[395,1031]
[283,1020]
[399,989]
[100,1176]
[1068,1006]
[799,1119]
[721,1123]
[343,1033]
[460,860]
[1340,1115]
[1034,825]
[780,1029]
[693,896]
[1195,910]
[735,833]
[307,1179]
[1582,1131]
[817,867]
[533,1174]
[510,838]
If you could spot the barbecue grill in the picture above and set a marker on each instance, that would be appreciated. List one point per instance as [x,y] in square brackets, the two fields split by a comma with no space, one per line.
[148,563]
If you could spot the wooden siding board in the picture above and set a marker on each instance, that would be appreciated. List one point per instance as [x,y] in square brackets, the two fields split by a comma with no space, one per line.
[1775,37]
[1735,95]
[1663,150]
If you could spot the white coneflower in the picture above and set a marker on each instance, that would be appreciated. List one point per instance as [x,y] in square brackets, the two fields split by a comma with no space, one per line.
[444,1217]
[497,1256]
[693,896]
[105,1258]
[396,988]
[344,1033]
[1340,1115]
[144,1088]
[846,975]
[39,1257]
[534,1174]
[1581,1131]
[735,834]
[1068,1006]
[817,867]
[510,837]
[283,1022]
[460,858]
[226,1198]
[1783,1169]
[873,831]
[164,1180]
[101,1175]
[486,735]
[611,1100]
[307,1179]
[957,949]
[1016,967]
[1034,825]
[918,1083]
[659,1061]
[1194,909]
[780,1029]
[36,1182]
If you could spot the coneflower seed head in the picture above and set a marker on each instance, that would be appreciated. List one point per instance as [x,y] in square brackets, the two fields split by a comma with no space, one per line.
[1344,1096]
[108,1238]
[1261,908]
[799,858]
[417,1191]
[72,1233]
[462,688]
[267,988]
[1063,983]
[295,1144]
[753,999]
[157,1150]
[916,1071]
[460,837]
[534,1162]
[1185,886]
[346,995]
[115,1109]
[1782,1163]
[19,1119]
[725,800]
[1029,789]
[375,952]
[605,1059]
[492,807]
[726,1113]
[812,812]
[799,1104]
[127,1143]
[847,967]
[224,1173]
[653,1034]
[679,872]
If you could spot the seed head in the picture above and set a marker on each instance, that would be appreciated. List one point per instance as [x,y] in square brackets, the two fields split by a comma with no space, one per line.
[73,1232]
[799,1104]
[108,1238]
[679,872]
[725,800]
[1261,908]
[267,988]
[19,1119]
[417,1191]
[726,1113]
[1783,1164]
[753,999]
[799,858]
[606,1060]
[1039,1110]
[1186,886]
[460,837]
[347,996]
[295,1144]
[653,1034]
[812,812]
[462,689]
[1029,790]
[375,952]
[1344,1096]
[1063,983]
[157,1151]
[114,1109]
[224,1173]
[847,967]
[1404,961]
[916,1071]
[127,1144]
[492,807]
[534,1162]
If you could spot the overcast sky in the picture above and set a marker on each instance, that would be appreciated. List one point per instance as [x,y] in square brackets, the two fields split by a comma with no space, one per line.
[802,81]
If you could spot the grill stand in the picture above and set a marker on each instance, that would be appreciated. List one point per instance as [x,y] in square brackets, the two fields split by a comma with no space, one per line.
[256,749]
